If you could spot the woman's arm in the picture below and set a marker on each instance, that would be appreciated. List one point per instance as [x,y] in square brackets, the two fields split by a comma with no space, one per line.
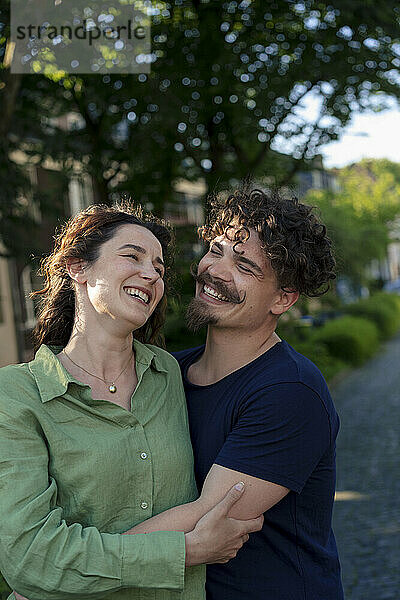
[216,538]
[44,558]
[258,497]
[179,518]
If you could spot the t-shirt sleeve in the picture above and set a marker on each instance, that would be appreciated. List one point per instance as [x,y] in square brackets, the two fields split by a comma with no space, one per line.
[281,433]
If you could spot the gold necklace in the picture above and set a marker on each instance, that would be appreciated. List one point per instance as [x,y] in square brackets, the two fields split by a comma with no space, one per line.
[112,388]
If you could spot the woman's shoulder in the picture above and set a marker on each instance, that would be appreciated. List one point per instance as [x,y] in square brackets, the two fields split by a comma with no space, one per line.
[18,383]
[16,373]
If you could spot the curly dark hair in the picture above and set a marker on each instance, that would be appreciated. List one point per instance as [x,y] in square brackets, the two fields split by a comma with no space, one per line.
[293,238]
[81,237]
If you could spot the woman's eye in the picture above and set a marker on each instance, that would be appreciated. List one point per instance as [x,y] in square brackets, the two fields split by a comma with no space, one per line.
[215,251]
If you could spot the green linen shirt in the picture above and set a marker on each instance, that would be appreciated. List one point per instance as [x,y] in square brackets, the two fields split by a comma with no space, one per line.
[77,472]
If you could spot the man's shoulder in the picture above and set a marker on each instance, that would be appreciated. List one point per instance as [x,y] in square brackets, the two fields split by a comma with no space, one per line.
[287,366]
[183,356]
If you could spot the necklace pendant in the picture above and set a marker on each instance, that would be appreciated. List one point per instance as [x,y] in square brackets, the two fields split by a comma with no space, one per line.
[112,389]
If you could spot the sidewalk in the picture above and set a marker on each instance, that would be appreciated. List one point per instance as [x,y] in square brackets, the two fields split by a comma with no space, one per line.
[367,510]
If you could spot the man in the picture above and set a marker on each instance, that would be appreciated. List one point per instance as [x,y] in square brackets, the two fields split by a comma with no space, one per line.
[260,412]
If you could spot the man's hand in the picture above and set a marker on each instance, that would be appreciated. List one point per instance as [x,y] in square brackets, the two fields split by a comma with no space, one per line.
[216,537]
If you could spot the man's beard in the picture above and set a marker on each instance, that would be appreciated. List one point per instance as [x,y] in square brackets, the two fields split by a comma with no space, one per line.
[199,314]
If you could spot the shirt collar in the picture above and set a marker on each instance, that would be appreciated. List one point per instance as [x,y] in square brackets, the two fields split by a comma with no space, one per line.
[53,379]
[146,355]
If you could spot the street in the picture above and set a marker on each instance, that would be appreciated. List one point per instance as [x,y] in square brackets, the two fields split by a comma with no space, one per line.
[367,508]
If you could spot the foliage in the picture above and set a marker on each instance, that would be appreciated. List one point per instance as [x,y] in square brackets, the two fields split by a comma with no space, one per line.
[225,93]
[351,339]
[372,187]
[381,310]
[360,216]
[390,300]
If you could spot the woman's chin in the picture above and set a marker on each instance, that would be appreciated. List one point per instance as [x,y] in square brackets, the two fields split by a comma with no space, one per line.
[138,323]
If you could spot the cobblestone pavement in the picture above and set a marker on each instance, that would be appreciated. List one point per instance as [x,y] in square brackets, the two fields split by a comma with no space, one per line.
[367,509]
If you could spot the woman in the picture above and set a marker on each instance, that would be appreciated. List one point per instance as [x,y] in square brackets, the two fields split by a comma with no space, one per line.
[93,432]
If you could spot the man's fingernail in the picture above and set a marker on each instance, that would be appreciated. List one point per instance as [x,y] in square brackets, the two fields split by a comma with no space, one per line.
[239,486]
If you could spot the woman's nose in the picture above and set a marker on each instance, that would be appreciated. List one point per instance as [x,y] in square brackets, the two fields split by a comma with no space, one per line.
[149,273]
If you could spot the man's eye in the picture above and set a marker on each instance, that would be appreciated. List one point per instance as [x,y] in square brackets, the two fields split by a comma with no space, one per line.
[214,250]
[159,271]
[245,270]
[134,256]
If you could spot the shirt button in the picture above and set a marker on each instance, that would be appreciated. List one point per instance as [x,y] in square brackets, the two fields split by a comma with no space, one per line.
[143,455]
[144,505]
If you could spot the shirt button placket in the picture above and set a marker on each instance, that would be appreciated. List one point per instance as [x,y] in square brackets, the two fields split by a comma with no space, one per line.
[146,489]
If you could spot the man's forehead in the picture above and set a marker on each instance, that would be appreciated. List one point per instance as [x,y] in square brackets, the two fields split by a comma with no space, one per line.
[247,239]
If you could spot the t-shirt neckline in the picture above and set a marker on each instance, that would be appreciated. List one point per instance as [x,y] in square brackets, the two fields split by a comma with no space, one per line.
[199,352]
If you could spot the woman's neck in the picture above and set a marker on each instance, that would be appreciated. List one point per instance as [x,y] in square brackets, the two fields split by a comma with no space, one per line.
[102,354]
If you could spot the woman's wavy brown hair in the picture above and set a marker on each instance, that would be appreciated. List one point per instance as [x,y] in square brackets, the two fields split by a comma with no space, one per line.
[293,238]
[82,237]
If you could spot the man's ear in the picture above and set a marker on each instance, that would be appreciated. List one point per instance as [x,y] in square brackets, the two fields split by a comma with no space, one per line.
[284,301]
[75,268]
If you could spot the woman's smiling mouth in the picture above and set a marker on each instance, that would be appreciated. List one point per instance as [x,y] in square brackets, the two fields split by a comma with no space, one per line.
[138,293]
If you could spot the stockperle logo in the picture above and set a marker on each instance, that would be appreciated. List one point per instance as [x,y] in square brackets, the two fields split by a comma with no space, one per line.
[69,36]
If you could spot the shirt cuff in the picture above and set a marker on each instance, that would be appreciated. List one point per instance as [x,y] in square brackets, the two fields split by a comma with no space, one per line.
[154,560]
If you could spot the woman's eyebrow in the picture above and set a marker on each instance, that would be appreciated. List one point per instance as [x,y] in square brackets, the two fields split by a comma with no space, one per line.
[141,251]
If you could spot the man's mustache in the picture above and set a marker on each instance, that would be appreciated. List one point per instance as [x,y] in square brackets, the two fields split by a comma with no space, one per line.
[219,286]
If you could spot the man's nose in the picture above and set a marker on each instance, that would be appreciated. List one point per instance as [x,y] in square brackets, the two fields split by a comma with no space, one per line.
[220,270]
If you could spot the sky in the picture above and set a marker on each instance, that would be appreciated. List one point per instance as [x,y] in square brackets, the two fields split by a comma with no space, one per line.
[369,135]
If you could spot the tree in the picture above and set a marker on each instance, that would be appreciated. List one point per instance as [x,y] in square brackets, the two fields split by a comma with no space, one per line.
[360,217]
[225,94]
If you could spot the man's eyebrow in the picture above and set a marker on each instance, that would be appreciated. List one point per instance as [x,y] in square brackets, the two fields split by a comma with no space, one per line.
[242,259]
[141,251]
[218,245]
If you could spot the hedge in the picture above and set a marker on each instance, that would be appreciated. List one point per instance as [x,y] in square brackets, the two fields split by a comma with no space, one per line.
[382,309]
[351,339]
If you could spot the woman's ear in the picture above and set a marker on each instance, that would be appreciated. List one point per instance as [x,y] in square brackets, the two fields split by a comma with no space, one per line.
[76,269]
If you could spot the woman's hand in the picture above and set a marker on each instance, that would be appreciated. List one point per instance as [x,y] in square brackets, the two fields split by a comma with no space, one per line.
[216,537]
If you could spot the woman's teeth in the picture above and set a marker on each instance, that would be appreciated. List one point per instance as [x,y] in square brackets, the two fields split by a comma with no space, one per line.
[138,294]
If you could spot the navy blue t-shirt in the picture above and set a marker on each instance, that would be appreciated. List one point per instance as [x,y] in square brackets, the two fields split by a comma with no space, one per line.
[273,419]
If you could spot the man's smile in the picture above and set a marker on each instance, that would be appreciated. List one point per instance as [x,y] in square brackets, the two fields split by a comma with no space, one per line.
[212,293]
